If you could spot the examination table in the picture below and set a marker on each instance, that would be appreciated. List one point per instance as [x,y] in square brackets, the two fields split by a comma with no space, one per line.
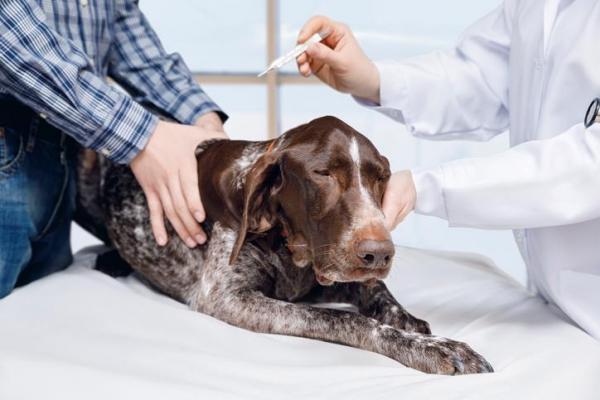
[80,334]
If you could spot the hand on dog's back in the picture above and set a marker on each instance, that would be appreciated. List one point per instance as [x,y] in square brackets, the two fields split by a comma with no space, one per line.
[167,172]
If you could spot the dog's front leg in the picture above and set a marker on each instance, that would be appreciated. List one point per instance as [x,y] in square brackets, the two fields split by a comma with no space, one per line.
[372,300]
[376,301]
[236,294]
[252,310]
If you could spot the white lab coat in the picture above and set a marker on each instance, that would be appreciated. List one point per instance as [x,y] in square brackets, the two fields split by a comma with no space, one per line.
[531,67]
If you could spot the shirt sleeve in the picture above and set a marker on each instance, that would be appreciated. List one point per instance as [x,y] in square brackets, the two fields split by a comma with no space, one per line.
[52,76]
[460,93]
[161,81]
[551,182]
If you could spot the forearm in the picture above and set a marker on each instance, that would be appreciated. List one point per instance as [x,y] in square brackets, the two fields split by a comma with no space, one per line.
[152,76]
[536,184]
[210,120]
[52,76]
[460,93]
[433,96]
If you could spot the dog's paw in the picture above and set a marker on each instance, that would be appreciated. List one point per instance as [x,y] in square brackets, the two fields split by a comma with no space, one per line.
[438,355]
[428,353]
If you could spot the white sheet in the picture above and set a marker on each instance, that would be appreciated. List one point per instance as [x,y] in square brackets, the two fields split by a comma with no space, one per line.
[82,335]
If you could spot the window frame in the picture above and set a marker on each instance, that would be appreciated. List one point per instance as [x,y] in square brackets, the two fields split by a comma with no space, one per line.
[273,80]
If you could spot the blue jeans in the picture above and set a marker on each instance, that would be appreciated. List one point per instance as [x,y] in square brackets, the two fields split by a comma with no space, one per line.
[37,201]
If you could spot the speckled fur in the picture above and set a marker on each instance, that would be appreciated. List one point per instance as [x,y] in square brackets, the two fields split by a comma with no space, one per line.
[246,161]
[264,291]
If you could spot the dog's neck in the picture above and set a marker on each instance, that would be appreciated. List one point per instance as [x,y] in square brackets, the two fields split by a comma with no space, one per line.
[222,170]
[220,191]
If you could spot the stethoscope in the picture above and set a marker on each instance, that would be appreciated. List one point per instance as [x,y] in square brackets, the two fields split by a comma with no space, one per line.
[591,116]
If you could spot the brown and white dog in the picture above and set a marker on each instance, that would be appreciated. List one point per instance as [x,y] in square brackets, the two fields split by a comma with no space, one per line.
[291,221]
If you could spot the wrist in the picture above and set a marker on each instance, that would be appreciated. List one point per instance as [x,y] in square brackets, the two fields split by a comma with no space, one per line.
[210,121]
[413,191]
[154,133]
[371,88]
[126,133]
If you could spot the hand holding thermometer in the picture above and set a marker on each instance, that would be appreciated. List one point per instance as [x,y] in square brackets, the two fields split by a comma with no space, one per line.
[291,56]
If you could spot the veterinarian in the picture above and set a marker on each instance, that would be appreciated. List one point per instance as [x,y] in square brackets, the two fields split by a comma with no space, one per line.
[531,67]
[55,56]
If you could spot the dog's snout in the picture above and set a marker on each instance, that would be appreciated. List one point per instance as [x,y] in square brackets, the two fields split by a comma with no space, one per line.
[375,253]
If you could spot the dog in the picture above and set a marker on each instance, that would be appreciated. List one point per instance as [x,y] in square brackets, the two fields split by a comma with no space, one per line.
[291,221]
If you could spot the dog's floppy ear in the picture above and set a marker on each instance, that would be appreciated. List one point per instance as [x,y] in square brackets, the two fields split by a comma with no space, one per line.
[263,180]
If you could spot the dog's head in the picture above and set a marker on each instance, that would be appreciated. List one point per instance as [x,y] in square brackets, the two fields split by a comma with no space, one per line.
[322,184]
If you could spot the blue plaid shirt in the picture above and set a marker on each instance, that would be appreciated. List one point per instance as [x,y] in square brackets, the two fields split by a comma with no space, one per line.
[55,56]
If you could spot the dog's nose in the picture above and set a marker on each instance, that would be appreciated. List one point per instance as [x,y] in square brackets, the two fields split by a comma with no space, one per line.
[375,253]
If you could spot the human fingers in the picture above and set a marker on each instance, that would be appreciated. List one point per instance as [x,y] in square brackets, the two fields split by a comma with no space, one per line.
[189,185]
[156,218]
[173,217]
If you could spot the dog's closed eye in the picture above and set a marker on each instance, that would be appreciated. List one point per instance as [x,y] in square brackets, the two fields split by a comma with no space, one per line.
[322,172]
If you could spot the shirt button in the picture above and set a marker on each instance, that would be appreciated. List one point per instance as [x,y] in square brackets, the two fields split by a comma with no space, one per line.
[539,63]
[84,3]
[105,152]
[43,116]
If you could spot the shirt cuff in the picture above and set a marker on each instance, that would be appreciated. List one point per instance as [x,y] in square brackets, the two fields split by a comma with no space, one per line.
[124,135]
[205,109]
[192,105]
[430,194]
[393,93]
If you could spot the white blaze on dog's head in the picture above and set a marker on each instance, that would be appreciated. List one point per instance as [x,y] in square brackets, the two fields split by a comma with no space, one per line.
[367,212]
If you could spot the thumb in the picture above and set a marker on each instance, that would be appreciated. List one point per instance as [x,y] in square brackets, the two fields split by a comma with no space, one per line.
[320,52]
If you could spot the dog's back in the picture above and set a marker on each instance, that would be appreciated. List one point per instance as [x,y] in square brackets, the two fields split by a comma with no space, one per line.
[173,268]
[111,205]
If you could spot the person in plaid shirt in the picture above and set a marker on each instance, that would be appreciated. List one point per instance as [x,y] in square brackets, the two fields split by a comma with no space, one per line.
[55,58]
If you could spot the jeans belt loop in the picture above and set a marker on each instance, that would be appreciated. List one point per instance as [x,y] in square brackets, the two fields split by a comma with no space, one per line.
[33,129]
[63,148]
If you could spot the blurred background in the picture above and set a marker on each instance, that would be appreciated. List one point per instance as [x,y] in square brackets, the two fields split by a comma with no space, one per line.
[226,43]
